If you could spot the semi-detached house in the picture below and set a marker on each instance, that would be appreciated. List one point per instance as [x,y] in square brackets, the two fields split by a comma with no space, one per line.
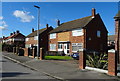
[87,33]
[32,38]
[15,39]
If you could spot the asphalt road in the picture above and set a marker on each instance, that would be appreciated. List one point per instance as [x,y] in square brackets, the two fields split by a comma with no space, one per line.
[12,70]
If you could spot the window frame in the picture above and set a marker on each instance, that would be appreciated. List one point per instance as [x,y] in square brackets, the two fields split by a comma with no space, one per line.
[52,47]
[26,39]
[35,37]
[52,35]
[77,32]
[79,46]
[98,33]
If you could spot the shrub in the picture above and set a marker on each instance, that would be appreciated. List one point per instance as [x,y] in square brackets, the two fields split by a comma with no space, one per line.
[97,60]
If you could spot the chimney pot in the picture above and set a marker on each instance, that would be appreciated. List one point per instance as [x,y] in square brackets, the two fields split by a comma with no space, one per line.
[47,26]
[3,37]
[58,22]
[32,29]
[17,32]
[93,12]
[11,34]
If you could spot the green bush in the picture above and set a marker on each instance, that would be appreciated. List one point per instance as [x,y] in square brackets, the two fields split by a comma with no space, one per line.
[97,60]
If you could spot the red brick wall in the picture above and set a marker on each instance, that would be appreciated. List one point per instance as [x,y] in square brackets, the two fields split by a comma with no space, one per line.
[117,39]
[96,43]
[31,41]
[112,64]
[53,41]
[72,39]
[20,43]
[75,39]
[43,39]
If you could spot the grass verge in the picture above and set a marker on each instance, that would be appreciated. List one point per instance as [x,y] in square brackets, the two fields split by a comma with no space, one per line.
[58,58]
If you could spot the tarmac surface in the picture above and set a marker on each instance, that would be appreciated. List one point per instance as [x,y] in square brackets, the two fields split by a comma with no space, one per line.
[62,70]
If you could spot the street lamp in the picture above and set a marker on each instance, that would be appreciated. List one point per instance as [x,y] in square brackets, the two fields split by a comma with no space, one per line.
[38,48]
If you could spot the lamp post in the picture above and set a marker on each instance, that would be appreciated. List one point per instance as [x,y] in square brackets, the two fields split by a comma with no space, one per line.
[38,48]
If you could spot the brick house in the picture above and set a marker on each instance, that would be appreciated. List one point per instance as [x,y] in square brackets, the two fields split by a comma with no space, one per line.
[32,38]
[85,33]
[117,35]
[111,42]
[15,39]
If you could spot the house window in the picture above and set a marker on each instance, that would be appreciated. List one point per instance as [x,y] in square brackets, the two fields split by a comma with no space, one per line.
[27,39]
[98,33]
[77,32]
[27,45]
[77,46]
[35,37]
[53,36]
[52,47]
[59,46]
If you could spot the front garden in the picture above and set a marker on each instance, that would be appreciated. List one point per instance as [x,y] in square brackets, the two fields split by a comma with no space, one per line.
[58,58]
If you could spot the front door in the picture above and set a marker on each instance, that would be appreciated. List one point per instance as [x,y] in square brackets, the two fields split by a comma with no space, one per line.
[66,48]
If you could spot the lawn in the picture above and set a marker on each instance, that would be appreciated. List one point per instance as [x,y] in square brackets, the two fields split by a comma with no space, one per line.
[58,58]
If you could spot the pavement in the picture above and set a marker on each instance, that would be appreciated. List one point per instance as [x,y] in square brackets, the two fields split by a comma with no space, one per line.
[62,70]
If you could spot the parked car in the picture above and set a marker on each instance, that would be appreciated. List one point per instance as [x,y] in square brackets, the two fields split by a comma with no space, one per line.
[75,56]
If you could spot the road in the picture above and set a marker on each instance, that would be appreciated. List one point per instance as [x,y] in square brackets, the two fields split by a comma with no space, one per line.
[12,70]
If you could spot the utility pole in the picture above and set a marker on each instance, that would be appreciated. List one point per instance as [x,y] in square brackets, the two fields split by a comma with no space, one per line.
[38,48]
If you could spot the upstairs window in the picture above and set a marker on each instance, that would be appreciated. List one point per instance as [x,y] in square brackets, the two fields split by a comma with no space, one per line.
[98,33]
[35,37]
[77,32]
[53,36]
[26,39]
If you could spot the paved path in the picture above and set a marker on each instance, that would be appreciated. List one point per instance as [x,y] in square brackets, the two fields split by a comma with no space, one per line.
[13,70]
[61,69]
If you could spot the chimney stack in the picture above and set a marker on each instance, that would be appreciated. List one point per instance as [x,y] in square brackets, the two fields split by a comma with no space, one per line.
[93,12]
[32,29]
[3,37]
[58,22]
[11,34]
[17,32]
[47,26]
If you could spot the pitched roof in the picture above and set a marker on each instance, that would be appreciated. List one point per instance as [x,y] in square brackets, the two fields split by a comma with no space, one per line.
[82,22]
[117,15]
[111,37]
[12,36]
[35,32]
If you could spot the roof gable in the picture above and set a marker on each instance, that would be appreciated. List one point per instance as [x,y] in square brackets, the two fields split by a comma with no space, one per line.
[118,14]
[35,32]
[13,36]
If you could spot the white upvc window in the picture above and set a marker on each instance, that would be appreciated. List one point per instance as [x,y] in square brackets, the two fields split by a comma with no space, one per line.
[52,47]
[53,36]
[60,46]
[27,45]
[77,46]
[98,33]
[26,39]
[35,37]
[18,39]
[77,32]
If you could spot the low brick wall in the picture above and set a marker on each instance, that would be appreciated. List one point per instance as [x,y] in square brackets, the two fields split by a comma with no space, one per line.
[41,53]
[112,63]
[82,60]
[25,51]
